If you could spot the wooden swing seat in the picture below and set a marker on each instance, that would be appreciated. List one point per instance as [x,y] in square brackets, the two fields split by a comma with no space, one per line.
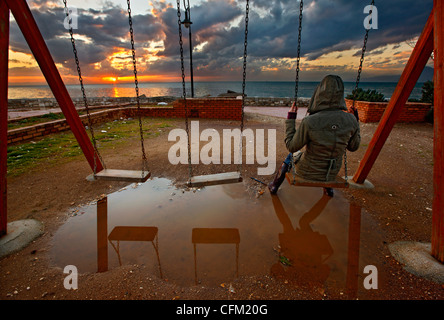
[123,175]
[301,182]
[215,179]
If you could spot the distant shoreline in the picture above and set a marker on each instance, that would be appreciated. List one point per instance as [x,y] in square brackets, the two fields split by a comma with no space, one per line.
[195,82]
[259,89]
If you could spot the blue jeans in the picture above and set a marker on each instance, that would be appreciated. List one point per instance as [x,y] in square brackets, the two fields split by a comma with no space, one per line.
[287,160]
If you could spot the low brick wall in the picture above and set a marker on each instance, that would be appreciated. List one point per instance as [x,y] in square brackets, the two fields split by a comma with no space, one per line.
[24,134]
[208,108]
[275,102]
[40,103]
[373,111]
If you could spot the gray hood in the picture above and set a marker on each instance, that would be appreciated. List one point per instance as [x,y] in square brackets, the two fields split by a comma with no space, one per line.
[328,95]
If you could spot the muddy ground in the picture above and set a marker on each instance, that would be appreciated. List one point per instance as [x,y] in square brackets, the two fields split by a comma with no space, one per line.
[400,203]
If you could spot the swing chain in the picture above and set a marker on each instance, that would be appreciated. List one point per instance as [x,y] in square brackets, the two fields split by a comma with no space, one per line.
[244,78]
[361,62]
[244,73]
[298,60]
[136,83]
[190,170]
[358,79]
[85,100]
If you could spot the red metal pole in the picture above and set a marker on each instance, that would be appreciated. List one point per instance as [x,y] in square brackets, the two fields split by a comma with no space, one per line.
[354,242]
[438,141]
[102,235]
[418,60]
[4,49]
[30,30]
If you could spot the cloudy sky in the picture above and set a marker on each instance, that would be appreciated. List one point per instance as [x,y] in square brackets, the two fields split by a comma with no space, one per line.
[332,39]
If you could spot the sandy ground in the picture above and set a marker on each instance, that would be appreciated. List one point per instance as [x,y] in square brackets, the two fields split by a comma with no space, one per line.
[400,203]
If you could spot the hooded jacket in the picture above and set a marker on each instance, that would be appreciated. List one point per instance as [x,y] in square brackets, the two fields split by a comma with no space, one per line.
[326,133]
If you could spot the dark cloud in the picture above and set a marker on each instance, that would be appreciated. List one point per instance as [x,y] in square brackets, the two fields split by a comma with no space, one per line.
[97,35]
[334,25]
[218,29]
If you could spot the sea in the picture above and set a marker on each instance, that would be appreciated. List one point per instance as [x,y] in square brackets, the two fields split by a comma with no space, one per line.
[273,89]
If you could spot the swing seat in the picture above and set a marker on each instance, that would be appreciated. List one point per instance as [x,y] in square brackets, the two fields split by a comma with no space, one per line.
[123,175]
[215,179]
[301,182]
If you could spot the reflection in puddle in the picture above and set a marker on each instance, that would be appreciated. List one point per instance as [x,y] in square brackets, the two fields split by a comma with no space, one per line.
[216,234]
[303,252]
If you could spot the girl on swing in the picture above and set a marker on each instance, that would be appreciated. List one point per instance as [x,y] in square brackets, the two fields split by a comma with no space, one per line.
[325,133]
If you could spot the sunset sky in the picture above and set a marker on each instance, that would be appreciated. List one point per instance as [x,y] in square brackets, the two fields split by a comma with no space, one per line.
[332,39]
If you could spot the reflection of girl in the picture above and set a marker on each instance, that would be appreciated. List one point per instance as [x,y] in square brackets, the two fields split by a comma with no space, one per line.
[305,249]
[326,133]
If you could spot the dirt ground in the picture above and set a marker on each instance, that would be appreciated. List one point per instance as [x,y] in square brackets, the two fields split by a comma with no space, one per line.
[401,204]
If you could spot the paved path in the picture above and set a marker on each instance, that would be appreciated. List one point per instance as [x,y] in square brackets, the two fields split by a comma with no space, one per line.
[280,112]
[31,113]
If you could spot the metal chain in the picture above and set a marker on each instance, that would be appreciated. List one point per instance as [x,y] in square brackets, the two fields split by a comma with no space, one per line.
[364,48]
[355,91]
[190,169]
[85,100]
[296,89]
[298,61]
[244,78]
[136,83]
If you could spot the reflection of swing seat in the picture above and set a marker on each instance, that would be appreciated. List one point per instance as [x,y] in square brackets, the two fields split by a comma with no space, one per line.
[215,236]
[133,234]
[298,181]
[215,179]
[123,175]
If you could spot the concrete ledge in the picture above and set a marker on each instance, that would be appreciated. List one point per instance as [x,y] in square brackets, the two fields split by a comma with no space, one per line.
[417,259]
[366,185]
[20,234]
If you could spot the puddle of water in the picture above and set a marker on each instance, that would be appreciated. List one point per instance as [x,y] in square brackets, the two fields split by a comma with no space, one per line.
[215,234]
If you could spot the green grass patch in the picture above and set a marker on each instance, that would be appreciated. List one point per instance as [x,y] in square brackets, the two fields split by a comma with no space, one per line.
[64,146]
[30,121]
[35,120]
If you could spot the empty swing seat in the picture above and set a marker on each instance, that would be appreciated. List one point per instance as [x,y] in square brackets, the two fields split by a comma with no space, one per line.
[123,175]
[301,182]
[215,179]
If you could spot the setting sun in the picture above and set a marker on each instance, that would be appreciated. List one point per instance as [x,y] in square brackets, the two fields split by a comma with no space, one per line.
[110,79]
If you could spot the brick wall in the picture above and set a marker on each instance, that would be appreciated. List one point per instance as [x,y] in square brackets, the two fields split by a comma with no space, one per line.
[373,111]
[210,108]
